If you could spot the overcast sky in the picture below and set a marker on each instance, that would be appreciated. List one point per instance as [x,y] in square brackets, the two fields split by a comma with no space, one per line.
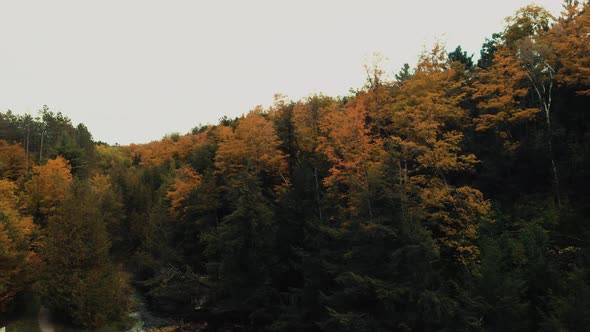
[132,71]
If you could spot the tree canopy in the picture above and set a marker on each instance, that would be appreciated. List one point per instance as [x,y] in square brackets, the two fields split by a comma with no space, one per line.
[452,198]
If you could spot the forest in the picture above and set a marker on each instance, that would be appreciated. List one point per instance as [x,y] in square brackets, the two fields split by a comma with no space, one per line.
[452,197]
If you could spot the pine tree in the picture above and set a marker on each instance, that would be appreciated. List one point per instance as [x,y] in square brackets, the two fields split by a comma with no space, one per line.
[79,280]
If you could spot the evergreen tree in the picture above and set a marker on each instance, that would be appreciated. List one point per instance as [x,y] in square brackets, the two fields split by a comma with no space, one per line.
[78,279]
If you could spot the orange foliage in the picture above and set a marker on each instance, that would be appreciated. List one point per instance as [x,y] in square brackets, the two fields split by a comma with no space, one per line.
[570,40]
[427,124]
[167,149]
[49,185]
[353,153]
[500,90]
[252,148]
[307,123]
[15,250]
[12,160]
[423,112]
[186,181]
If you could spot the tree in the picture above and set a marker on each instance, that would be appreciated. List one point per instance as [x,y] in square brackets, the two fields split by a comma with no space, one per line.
[185,182]
[488,50]
[500,92]
[79,281]
[240,254]
[525,35]
[12,161]
[570,41]
[307,120]
[252,172]
[458,55]
[355,156]
[111,158]
[427,123]
[252,148]
[16,255]
[109,204]
[528,21]
[48,188]
[404,73]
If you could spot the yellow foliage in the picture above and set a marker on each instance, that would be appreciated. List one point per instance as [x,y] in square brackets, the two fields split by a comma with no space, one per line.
[101,184]
[49,185]
[8,199]
[111,156]
[307,117]
[456,213]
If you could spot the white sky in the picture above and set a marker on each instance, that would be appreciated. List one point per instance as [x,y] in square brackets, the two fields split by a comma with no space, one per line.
[132,71]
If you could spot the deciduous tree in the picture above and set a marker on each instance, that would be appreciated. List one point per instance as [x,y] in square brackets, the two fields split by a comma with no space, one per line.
[12,161]
[48,187]
[15,245]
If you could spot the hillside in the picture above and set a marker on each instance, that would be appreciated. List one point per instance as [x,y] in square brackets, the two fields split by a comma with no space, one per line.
[453,197]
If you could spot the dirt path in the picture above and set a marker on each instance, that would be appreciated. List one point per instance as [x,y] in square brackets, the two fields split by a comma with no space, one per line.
[45,320]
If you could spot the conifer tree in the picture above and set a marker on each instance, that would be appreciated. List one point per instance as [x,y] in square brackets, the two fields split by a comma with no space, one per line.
[79,280]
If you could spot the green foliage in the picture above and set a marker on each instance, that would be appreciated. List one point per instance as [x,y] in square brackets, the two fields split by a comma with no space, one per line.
[239,252]
[48,135]
[78,279]
[458,55]
[488,49]
[404,73]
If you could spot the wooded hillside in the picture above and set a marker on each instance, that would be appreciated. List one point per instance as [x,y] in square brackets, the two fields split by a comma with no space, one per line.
[454,197]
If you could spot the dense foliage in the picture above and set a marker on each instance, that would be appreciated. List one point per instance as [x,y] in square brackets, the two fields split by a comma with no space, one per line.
[454,197]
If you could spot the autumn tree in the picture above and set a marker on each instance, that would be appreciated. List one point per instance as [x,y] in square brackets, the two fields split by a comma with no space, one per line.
[12,161]
[48,188]
[522,67]
[110,205]
[355,155]
[531,48]
[307,122]
[185,182]
[252,171]
[251,148]
[172,148]
[368,212]
[569,39]
[500,91]
[428,121]
[16,247]
[528,21]
[109,157]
